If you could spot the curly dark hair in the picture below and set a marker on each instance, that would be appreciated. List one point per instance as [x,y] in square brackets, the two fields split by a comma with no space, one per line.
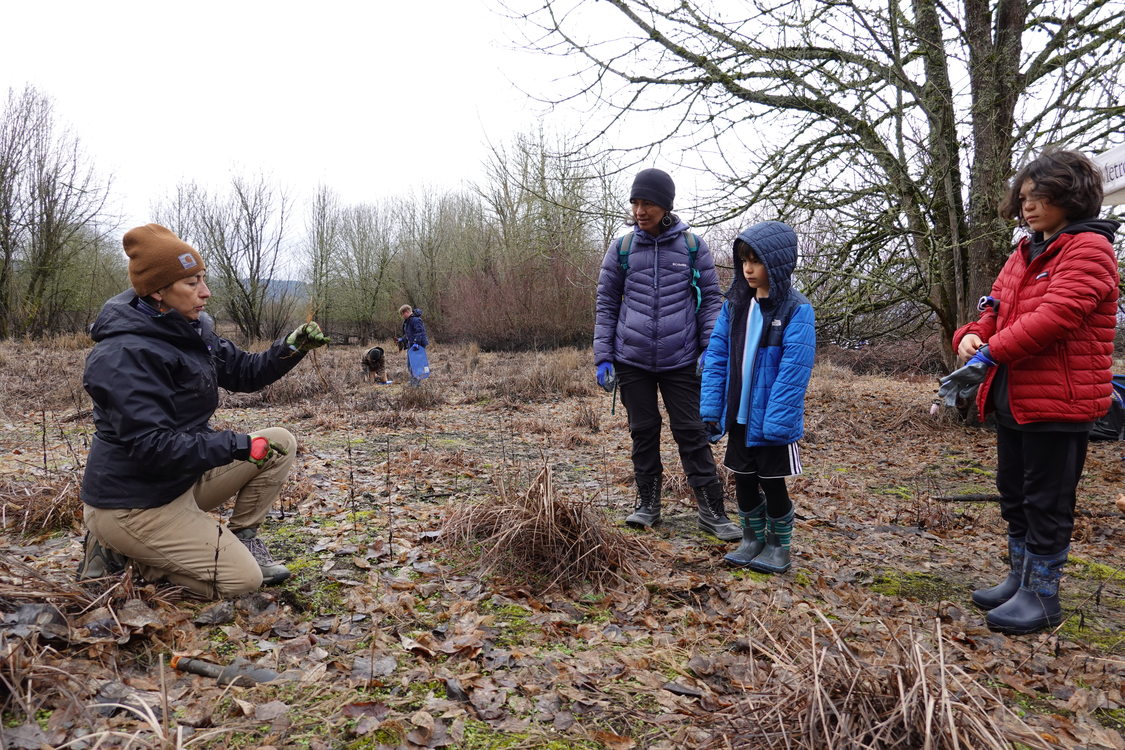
[1067,179]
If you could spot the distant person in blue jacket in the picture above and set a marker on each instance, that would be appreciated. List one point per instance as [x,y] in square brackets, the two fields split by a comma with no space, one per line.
[658,296]
[413,335]
[757,369]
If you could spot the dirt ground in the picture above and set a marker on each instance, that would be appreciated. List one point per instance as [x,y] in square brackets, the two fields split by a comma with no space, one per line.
[392,637]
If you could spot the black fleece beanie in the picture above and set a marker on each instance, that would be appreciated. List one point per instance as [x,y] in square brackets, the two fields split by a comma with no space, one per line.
[654,185]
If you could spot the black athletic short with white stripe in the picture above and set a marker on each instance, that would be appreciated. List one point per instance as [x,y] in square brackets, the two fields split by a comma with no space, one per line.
[767,461]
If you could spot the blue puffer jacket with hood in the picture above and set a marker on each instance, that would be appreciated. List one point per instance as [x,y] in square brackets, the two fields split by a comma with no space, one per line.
[784,359]
[646,316]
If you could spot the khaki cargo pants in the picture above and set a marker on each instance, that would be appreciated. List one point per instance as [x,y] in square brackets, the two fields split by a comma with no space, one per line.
[183,543]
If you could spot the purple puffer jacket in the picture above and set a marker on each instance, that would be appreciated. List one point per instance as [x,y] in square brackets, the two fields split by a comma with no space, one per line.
[646,316]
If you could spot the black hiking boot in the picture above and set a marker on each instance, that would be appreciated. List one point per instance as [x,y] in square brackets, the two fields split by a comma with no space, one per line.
[98,561]
[647,510]
[712,517]
[272,570]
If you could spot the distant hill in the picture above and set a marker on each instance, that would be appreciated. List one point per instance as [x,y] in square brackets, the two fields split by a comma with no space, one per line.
[279,288]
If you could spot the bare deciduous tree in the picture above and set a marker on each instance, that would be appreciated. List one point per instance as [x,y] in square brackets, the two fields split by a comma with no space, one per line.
[901,120]
[550,216]
[50,200]
[367,251]
[241,236]
[322,244]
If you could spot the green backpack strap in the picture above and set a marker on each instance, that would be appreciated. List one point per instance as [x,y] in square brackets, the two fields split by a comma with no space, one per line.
[623,245]
[693,249]
[626,242]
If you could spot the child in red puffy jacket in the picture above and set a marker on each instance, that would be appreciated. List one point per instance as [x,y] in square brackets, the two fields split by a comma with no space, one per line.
[1046,347]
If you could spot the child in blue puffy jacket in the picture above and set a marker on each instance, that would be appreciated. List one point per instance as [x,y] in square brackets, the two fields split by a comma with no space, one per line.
[755,375]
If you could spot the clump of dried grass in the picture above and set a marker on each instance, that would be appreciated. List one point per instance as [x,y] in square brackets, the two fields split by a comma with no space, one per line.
[36,376]
[588,417]
[420,397]
[543,539]
[546,375]
[44,507]
[393,420]
[817,686]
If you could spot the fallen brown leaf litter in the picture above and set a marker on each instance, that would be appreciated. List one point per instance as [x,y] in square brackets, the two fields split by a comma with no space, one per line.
[462,579]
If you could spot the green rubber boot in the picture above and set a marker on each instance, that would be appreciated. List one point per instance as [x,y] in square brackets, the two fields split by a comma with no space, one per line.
[753,537]
[774,557]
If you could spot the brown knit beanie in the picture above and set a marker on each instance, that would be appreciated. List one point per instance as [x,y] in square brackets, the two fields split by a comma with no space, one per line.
[157,258]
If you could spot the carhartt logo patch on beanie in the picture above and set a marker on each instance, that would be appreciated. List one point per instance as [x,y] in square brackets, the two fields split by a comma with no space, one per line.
[157,258]
[654,185]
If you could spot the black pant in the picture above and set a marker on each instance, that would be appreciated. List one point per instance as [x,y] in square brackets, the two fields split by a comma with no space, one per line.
[746,487]
[1037,476]
[680,391]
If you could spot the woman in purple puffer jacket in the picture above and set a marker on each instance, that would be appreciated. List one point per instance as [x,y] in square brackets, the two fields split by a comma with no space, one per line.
[658,298]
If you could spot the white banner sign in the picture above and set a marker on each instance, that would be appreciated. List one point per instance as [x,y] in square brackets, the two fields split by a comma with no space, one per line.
[1112,164]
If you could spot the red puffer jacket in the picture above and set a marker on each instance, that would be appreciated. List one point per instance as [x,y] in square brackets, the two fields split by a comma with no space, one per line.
[1054,328]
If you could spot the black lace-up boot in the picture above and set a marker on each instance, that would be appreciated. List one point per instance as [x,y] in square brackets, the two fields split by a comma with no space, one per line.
[712,516]
[647,511]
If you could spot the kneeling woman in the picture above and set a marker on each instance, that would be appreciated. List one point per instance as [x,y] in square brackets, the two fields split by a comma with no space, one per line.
[156,467]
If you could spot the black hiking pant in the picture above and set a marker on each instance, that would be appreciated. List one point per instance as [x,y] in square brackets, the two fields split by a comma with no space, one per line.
[680,391]
[1037,477]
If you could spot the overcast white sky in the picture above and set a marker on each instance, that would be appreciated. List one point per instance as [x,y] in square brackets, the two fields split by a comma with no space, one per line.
[370,98]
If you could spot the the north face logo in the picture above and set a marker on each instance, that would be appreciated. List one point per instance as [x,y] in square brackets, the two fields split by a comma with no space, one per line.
[187,260]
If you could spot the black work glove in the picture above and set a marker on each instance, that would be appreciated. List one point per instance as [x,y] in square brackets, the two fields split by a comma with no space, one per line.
[958,385]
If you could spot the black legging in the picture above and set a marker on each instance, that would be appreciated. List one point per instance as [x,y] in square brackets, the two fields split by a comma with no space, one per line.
[778,503]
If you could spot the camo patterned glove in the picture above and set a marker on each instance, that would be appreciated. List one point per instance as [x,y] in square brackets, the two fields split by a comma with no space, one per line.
[262,450]
[307,337]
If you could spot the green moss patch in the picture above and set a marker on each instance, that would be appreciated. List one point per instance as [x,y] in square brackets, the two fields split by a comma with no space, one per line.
[922,587]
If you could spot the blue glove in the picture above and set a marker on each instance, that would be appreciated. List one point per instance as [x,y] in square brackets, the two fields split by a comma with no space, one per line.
[714,432]
[986,302]
[981,357]
[607,378]
[699,364]
[958,385]
[415,348]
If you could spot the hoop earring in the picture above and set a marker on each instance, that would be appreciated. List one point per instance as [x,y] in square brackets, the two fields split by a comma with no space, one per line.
[666,221]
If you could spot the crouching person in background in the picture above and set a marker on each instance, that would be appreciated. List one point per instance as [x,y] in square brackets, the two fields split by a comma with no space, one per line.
[374,365]
[156,468]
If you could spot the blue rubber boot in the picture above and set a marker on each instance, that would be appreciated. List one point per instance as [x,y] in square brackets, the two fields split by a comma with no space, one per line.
[753,537]
[1036,605]
[991,598]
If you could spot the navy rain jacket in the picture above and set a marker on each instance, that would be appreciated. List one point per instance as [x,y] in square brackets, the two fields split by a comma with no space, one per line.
[414,330]
[154,382]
